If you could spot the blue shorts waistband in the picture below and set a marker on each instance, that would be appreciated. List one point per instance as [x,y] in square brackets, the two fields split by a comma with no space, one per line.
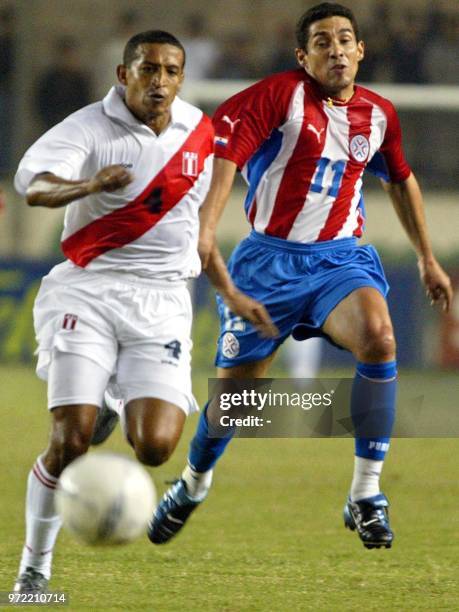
[289,246]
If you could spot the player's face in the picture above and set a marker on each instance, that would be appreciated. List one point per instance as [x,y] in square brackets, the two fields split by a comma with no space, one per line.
[152,80]
[332,56]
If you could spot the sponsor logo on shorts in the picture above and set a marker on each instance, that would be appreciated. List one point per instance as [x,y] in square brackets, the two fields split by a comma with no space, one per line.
[190,163]
[70,321]
[360,148]
[230,346]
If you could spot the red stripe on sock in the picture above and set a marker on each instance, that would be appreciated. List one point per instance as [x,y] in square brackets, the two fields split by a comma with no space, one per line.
[45,552]
[51,484]
[48,477]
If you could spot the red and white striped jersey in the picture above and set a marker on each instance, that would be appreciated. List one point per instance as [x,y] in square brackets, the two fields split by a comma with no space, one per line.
[303,155]
[150,227]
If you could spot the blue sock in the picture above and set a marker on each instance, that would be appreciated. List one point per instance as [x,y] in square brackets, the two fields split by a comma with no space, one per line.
[373,408]
[204,449]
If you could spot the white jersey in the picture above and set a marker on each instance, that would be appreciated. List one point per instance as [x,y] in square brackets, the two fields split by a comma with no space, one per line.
[150,227]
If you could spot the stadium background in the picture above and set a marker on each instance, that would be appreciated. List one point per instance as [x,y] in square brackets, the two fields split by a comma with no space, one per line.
[249,39]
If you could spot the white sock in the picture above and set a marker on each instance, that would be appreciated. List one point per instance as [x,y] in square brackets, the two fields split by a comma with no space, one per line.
[365,482]
[42,522]
[197,483]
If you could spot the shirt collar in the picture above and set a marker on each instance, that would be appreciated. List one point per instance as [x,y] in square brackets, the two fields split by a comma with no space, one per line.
[320,93]
[115,108]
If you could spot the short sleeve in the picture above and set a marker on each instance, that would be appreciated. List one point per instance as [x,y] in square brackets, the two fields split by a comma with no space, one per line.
[246,120]
[391,148]
[62,151]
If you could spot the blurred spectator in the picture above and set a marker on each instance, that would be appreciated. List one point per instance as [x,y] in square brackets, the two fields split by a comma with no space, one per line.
[111,53]
[202,52]
[441,60]
[64,87]
[378,37]
[282,56]
[7,58]
[237,58]
[407,49]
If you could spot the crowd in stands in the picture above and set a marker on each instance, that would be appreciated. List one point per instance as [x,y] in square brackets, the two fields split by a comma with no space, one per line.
[415,47]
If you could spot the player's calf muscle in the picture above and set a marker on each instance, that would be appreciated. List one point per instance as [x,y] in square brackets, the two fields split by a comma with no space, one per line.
[64,450]
[70,437]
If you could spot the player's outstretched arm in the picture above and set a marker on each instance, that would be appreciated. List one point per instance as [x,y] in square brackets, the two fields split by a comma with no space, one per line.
[408,203]
[220,188]
[239,303]
[52,191]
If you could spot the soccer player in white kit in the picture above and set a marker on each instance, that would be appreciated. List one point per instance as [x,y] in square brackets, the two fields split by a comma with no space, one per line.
[133,171]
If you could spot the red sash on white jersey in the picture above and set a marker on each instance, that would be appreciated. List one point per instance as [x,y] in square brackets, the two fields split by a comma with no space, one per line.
[165,190]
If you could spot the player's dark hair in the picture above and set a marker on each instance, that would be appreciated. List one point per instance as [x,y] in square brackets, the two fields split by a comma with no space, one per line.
[322,11]
[150,36]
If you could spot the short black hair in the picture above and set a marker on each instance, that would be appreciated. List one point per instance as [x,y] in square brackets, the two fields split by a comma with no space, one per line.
[150,36]
[322,11]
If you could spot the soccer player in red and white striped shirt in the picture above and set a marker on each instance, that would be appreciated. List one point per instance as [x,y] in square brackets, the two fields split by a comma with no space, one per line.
[302,140]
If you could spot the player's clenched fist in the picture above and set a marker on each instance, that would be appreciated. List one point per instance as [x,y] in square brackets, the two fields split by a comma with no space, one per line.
[110,178]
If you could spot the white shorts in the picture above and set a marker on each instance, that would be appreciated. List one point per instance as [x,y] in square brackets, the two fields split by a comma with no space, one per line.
[137,330]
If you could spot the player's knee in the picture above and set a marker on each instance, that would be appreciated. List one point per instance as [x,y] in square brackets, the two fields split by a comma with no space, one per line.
[155,451]
[379,344]
[67,447]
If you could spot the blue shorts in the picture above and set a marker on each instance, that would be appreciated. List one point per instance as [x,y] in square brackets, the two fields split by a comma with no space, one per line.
[299,284]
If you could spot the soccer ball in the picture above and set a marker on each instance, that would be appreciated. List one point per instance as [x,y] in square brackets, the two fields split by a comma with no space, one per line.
[105,498]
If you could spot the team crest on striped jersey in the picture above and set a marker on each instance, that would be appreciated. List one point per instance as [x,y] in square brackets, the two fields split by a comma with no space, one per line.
[360,148]
[190,163]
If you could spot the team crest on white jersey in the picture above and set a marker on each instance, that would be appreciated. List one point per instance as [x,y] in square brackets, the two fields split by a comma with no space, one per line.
[360,148]
[70,321]
[230,345]
[190,163]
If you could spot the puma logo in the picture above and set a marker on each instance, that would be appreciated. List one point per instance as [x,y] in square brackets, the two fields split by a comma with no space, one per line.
[317,132]
[231,123]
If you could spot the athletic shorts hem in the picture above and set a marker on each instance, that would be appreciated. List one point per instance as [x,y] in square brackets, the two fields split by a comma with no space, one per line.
[45,356]
[160,391]
[80,400]
[223,362]
[353,285]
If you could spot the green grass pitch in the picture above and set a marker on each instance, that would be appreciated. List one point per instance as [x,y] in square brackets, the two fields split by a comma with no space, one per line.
[270,537]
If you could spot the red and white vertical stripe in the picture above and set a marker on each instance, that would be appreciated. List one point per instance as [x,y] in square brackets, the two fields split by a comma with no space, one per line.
[284,205]
[271,188]
[347,200]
